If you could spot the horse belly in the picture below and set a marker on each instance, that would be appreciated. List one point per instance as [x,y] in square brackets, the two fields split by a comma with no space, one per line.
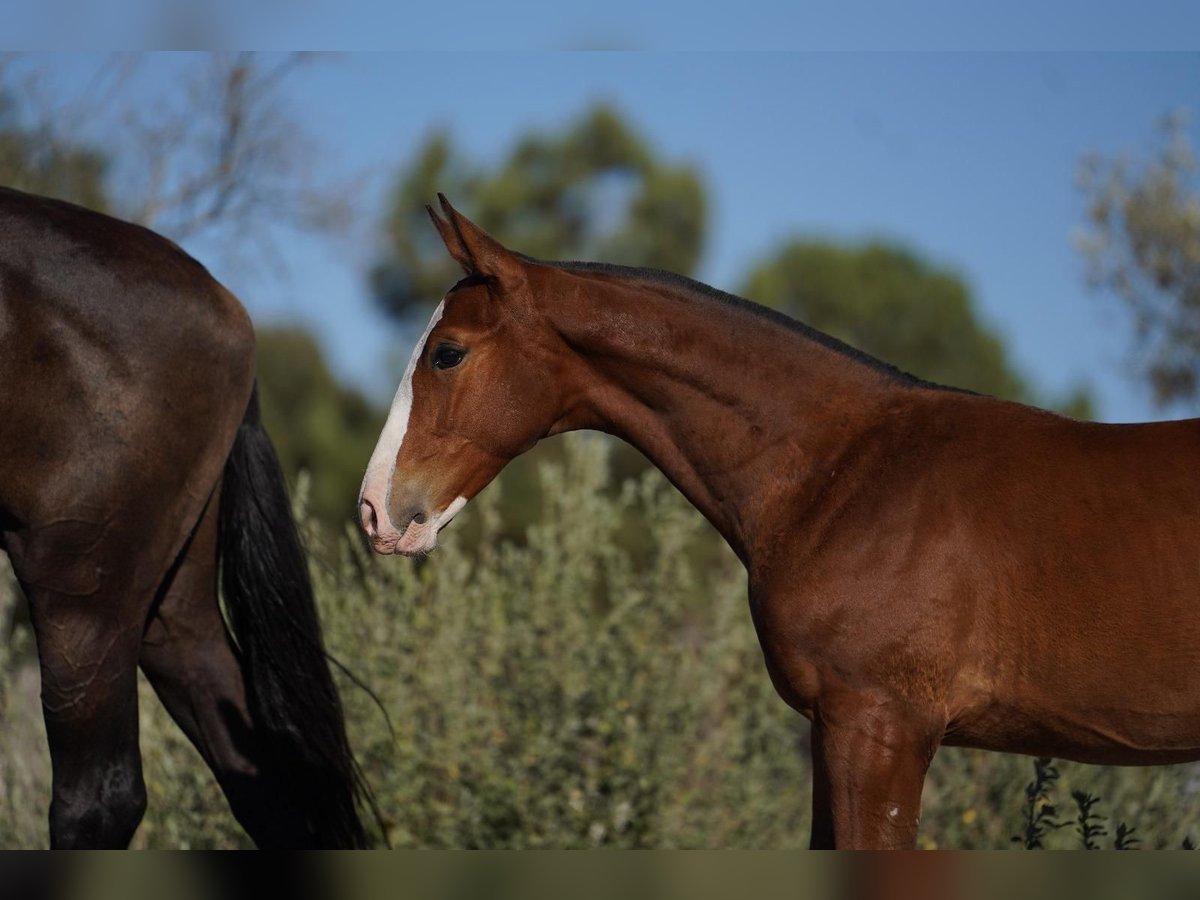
[1103,667]
[1090,735]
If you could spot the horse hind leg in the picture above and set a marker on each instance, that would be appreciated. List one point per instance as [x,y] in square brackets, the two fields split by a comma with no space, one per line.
[190,660]
[88,656]
[91,571]
[89,701]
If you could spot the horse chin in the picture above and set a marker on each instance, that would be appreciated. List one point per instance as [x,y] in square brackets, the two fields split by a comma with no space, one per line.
[416,552]
[405,545]
[416,541]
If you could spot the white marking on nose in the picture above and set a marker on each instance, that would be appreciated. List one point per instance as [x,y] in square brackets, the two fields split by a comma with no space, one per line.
[443,519]
[378,479]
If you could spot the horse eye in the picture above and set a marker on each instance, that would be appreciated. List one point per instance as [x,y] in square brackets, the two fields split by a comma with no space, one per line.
[447,357]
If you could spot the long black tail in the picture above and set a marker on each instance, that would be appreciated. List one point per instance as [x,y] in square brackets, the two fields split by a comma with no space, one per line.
[269,602]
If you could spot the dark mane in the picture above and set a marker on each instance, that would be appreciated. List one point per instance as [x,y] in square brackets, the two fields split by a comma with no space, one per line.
[708,293]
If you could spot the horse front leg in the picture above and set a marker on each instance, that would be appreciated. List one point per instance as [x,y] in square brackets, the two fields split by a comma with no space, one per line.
[869,765]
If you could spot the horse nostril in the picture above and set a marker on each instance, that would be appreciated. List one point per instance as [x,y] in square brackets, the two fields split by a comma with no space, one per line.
[419,518]
[370,522]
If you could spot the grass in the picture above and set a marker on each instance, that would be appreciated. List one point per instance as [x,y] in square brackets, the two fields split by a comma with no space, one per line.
[597,684]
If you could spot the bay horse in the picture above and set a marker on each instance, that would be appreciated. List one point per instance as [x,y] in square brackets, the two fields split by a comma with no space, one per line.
[926,566]
[133,465]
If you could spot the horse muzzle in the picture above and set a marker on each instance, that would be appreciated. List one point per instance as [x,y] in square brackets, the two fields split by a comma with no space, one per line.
[417,535]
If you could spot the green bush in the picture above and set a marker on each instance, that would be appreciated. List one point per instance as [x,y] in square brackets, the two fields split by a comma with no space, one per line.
[596,684]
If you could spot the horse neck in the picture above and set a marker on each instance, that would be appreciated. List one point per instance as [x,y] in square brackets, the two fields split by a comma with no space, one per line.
[737,407]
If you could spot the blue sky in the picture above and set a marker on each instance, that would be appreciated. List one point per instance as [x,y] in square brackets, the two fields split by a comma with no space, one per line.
[1044,25]
[969,159]
[745,25]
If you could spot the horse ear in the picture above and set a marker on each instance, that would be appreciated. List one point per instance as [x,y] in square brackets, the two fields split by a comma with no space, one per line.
[476,250]
[454,244]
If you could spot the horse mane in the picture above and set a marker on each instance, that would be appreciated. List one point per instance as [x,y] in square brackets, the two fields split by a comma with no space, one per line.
[699,290]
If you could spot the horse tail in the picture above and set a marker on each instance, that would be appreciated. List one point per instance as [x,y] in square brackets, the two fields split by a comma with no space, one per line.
[272,613]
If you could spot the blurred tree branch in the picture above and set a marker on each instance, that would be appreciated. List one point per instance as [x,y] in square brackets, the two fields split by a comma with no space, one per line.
[1142,242]
[211,153]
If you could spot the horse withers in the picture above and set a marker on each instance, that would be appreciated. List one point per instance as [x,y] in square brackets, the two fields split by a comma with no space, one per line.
[927,566]
[132,464]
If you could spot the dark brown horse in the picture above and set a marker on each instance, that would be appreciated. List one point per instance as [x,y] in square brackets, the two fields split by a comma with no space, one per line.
[927,566]
[132,460]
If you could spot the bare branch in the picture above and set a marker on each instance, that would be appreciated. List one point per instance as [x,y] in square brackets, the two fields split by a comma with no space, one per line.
[199,147]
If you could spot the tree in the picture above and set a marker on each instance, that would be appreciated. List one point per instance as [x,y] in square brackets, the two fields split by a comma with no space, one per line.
[1142,242]
[38,163]
[888,302]
[596,190]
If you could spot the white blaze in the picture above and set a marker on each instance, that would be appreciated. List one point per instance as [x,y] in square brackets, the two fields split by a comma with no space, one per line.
[378,480]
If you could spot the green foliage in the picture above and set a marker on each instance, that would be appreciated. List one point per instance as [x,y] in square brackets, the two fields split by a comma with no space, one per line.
[24,760]
[890,303]
[1142,242]
[45,164]
[1039,812]
[1123,839]
[564,692]
[1089,824]
[595,190]
[315,422]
